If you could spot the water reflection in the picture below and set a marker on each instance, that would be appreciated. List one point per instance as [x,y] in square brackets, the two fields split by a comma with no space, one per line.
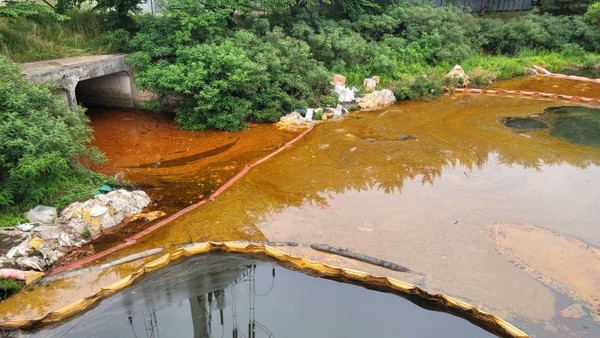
[225,296]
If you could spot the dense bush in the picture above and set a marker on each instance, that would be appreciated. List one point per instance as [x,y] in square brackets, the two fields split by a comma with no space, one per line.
[227,78]
[231,65]
[533,31]
[39,137]
[592,15]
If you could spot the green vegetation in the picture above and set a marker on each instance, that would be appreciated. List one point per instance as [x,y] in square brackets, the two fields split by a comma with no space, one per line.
[41,140]
[231,61]
[592,15]
[564,7]
[230,66]
[9,287]
[40,34]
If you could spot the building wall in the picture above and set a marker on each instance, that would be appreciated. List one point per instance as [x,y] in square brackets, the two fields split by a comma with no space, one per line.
[492,5]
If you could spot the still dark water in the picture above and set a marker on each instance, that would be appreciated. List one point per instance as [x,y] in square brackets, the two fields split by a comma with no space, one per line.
[219,296]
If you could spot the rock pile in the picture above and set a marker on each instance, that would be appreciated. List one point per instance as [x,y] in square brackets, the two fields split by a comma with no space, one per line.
[79,223]
[458,77]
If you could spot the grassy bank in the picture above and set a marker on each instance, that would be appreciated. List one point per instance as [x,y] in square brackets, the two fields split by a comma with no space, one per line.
[25,39]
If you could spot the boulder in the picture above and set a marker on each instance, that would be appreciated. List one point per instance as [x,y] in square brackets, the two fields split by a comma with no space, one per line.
[377,99]
[458,76]
[293,121]
[41,214]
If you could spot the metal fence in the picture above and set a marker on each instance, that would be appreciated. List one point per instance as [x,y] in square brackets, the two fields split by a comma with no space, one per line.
[477,5]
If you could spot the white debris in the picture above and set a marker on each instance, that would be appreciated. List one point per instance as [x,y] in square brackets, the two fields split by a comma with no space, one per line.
[41,214]
[46,243]
[345,94]
[25,226]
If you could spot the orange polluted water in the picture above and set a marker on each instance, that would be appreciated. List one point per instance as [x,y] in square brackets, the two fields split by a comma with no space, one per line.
[418,184]
[176,167]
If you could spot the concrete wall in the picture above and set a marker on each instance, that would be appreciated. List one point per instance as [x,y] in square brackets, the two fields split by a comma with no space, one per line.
[98,79]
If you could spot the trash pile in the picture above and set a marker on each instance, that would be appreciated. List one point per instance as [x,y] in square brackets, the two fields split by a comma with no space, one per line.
[47,237]
[345,94]
[302,118]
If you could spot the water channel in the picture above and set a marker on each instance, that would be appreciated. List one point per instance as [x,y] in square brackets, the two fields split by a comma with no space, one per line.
[503,217]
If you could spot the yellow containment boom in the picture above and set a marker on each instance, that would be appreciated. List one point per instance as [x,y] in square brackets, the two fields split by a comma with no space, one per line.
[443,302]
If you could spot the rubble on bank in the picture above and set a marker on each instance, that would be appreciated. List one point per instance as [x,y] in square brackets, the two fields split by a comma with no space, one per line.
[49,238]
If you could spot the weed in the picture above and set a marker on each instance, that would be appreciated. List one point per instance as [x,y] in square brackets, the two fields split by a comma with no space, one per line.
[9,287]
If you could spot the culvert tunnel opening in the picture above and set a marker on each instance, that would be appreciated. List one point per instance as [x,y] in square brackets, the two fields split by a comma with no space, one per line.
[113,90]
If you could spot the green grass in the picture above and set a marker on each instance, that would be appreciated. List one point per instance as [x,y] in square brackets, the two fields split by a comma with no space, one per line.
[11,217]
[9,287]
[507,67]
[24,40]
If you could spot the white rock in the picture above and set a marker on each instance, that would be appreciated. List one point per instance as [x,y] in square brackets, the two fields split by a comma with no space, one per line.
[459,74]
[377,99]
[98,210]
[106,221]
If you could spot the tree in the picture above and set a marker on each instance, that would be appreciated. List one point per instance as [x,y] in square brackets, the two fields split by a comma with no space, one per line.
[121,8]
[564,7]
[592,15]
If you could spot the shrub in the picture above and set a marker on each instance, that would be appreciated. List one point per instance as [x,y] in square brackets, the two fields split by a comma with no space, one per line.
[424,86]
[482,78]
[40,136]
[445,34]
[592,15]
[9,287]
[537,32]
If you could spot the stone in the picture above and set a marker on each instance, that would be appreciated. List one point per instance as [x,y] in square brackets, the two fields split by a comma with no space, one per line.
[46,243]
[377,99]
[458,75]
[98,210]
[293,121]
